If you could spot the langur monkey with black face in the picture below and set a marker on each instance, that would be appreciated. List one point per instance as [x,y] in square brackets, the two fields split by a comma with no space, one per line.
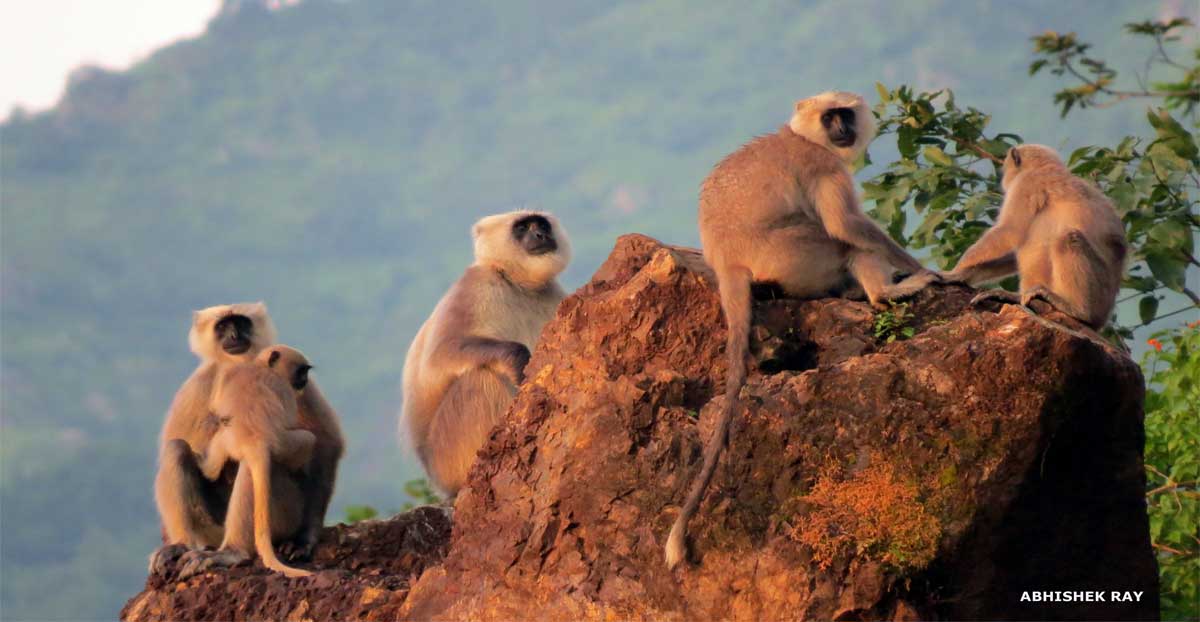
[191,507]
[783,209]
[256,406]
[1058,232]
[466,362]
[197,512]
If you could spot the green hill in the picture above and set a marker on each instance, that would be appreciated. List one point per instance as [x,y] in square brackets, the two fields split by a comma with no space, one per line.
[329,158]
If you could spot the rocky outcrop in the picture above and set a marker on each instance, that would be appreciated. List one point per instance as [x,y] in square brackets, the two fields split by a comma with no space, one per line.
[362,572]
[960,473]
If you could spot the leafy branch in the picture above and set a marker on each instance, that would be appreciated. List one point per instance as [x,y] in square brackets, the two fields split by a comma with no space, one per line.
[1065,54]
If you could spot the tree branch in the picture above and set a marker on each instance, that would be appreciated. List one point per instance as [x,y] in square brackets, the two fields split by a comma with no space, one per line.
[1169,549]
[975,148]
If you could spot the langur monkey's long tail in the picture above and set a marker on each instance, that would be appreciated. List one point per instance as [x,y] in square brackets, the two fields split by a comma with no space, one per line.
[735,300]
[260,471]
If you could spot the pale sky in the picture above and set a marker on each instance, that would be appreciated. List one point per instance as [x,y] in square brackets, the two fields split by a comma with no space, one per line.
[41,41]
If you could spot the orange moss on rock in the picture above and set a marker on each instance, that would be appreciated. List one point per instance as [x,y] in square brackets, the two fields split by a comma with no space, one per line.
[877,512]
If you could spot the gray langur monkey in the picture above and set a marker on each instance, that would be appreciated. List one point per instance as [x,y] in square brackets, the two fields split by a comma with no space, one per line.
[197,512]
[783,209]
[1058,232]
[256,406]
[191,507]
[466,362]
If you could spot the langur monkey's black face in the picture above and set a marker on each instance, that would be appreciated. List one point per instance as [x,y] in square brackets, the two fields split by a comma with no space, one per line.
[839,126]
[234,333]
[533,234]
[300,377]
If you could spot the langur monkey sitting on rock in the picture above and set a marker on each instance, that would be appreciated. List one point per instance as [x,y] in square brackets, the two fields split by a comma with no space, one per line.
[256,406]
[191,507]
[198,513]
[465,364]
[783,209]
[1058,232]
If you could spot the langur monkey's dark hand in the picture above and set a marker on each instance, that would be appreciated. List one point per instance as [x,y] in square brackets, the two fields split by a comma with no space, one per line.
[517,358]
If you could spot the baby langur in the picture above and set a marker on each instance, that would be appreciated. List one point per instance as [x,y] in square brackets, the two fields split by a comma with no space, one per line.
[1057,232]
[256,406]
[464,365]
[783,209]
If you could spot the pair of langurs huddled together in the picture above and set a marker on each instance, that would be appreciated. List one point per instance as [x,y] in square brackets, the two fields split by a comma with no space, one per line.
[249,449]
[783,209]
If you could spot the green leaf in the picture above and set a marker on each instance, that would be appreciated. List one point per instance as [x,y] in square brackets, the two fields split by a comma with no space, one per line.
[1139,283]
[1173,234]
[1167,268]
[906,141]
[1079,153]
[1147,309]
[937,156]
[930,223]
[977,204]
[1172,134]
[356,513]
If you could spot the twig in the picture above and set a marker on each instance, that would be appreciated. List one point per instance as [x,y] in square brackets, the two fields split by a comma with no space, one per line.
[977,149]
[1132,296]
[1168,549]
[1157,472]
[1167,315]
[1119,96]
[1168,486]
[1163,51]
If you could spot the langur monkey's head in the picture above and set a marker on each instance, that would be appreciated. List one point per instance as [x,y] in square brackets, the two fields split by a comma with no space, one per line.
[1023,158]
[530,248]
[226,331]
[288,362]
[836,120]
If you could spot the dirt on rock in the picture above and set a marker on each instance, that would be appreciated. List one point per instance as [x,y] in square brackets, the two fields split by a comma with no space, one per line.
[943,467]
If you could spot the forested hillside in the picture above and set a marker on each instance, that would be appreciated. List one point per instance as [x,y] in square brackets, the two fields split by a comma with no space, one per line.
[329,159]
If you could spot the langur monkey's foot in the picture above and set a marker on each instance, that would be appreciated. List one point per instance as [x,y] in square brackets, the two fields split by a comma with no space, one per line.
[195,562]
[164,556]
[299,549]
[906,288]
[996,295]
[952,278]
[1052,300]
[1038,293]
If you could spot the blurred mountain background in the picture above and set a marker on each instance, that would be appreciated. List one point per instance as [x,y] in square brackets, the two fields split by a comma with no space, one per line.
[330,157]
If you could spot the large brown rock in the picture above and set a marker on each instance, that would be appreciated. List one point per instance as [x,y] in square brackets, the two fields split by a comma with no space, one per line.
[989,457]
